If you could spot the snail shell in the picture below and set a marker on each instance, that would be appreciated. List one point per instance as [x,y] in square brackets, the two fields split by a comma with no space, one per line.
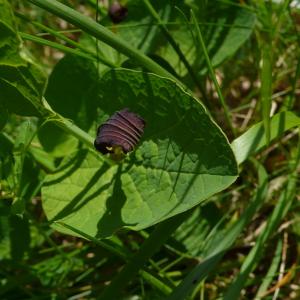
[123,129]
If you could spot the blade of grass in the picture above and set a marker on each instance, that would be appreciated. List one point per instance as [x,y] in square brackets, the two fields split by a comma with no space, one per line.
[109,245]
[156,239]
[256,253]
[174,23]
[292,95]
[103,34]
[242,5]
[211,72]
[271,272]
[266,87]
[282,207]
[62,48]
[124,254]
[201,85]
[66,39]
[172,42]
[156,282]
[186,287]
[254,139]
[280,19]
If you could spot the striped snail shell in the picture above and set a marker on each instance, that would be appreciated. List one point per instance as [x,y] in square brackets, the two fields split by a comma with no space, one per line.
[122,130]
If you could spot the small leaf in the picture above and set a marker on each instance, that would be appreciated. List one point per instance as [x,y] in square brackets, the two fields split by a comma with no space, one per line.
[21,81]
[67,94]
[22,89]
[236,36]
[9,40]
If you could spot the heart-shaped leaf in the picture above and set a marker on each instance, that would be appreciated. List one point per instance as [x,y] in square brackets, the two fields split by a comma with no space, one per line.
[182,159]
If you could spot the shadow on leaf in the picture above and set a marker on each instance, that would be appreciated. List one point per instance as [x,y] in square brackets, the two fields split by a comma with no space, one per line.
[81,199]
[112,218]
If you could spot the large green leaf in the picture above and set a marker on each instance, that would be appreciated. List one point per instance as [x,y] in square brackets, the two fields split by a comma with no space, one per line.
[239,31]
[225,30]
[183,159]
[21,81]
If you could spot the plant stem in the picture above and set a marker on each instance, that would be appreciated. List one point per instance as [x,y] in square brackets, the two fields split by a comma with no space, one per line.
[100,32]
[38,40]
[266,87]
[50,116]
[62,37]
[173,43]
[211,72]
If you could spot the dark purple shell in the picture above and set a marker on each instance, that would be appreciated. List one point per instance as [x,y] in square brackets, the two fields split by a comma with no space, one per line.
[117,12]
[123,129]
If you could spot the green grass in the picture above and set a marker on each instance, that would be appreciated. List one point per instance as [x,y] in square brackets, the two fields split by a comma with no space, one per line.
[205,207]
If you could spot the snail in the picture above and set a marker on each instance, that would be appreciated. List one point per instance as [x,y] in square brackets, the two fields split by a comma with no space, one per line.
[119,134]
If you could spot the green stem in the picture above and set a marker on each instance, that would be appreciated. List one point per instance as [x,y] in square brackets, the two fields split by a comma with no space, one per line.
[212,73]
[35,39]
[266,87]
[173,43]
[157,238]
[100,32]
[50,116]
[63,38]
